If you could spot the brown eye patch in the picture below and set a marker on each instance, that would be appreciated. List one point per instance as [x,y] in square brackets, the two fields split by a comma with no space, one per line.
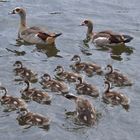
[86,21]
[17,10]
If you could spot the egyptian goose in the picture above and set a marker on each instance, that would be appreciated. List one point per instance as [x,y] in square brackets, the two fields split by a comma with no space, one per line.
[24,72]
[116,77]
[9,102]
[32,119]
[89,68]
[63,75]
[85,113]
[33,35]
[85,88]
[114,97]
[104,38]
[35,94]
[53,85]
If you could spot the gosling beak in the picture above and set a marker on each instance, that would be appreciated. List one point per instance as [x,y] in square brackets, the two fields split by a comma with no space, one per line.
[72,59]
[55,70]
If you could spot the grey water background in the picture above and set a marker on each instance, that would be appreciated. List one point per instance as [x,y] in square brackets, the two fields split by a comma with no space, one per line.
[65,16]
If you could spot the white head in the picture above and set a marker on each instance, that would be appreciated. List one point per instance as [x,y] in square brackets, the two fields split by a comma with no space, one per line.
[87,23]
[46,77]
[59,69]
[18,64]
[108,69]
[22,112]
[76,59]
[18,10]
[3,91]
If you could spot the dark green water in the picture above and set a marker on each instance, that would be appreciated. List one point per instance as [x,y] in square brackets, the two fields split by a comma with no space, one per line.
[118,15]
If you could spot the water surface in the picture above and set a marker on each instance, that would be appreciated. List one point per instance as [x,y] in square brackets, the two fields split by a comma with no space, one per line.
[65,16]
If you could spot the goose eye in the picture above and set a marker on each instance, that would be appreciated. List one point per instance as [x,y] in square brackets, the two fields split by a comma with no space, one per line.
[17,10]
[86,21]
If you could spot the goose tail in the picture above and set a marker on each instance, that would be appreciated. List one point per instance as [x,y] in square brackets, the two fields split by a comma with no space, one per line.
[56,35]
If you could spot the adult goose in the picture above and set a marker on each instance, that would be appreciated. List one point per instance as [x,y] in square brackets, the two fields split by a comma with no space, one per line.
[104,37]
[33,35]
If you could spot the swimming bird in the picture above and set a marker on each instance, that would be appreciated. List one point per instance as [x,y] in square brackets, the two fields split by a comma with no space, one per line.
[35,94]
[24,72]
[116,77]
[33,35]
[63,75]
[85,112]
[9,102]
[89,68]
[85,88]
[53,85]
[114,97]
[104,38]
[26,117]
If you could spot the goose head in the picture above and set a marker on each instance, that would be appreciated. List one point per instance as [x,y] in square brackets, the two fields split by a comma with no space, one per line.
[87,23]
[18,10]
[79,80]
[46,77]
[22,112]
[108,69]
[76,59]
[3,91]
[18,65]
[59,69]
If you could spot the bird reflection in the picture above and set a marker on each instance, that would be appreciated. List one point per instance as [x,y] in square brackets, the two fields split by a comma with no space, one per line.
[49,50]
[115,51]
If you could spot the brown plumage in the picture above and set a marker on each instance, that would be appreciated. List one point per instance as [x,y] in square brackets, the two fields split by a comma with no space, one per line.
[116,77]
[63,75]
[86,89]
[53,85]
[115,97]
[104,37]
[9,102]
[23,72]
[29,118]
[85,112]
[33,35]
[89,68]
[35,94]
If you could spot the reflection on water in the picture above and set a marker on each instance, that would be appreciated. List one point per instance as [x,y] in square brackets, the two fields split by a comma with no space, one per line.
[17,53]
[115,51]
[49,50]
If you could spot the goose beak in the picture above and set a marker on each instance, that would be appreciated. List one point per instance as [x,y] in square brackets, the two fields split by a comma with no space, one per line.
[12,12]
[55,69]
[82,24]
